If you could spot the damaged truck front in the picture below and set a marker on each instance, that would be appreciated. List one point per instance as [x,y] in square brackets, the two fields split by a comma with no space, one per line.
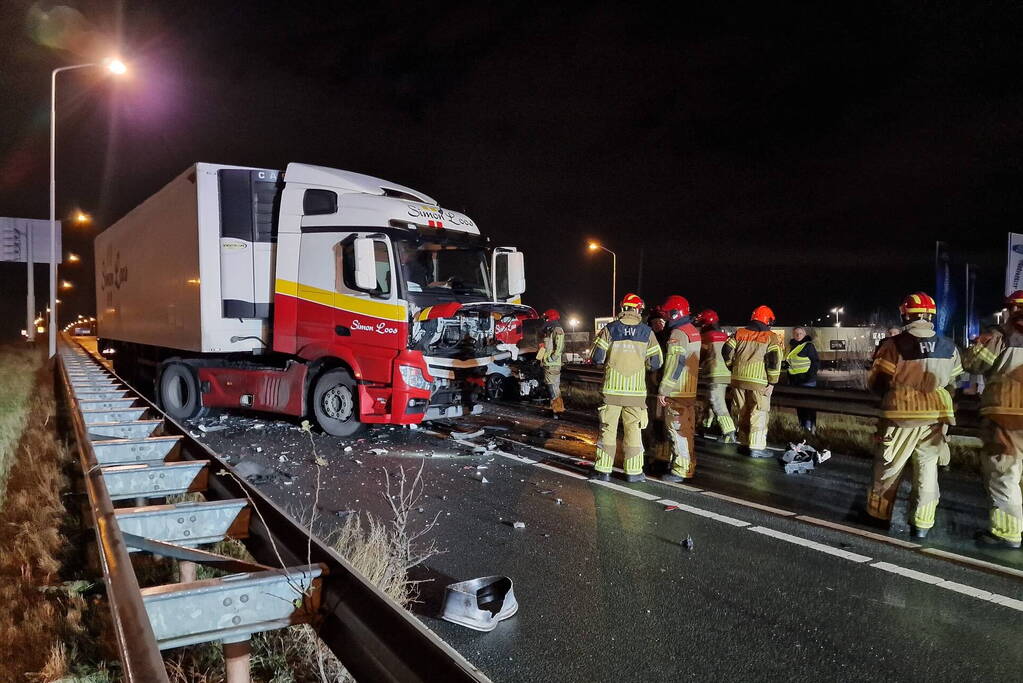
[314,292]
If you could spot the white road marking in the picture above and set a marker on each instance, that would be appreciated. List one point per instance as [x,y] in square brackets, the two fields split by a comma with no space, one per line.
[845,554]
[625,489]
[933,580]
[559,470]
[750,504]
[859,532]
[704,513]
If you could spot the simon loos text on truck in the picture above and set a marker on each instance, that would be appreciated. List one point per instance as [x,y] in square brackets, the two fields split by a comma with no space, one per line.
[310,292]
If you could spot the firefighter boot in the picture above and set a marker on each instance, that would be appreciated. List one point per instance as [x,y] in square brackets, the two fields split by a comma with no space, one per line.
[986,538]
[729,438]
[635,478]
[558,406]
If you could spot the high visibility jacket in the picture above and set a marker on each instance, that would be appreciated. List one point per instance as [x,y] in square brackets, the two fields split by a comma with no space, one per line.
[682,361]
[998,355]
[753,354]
[912,370]
[552,348]
[712,364]
[626,348]
[802,361]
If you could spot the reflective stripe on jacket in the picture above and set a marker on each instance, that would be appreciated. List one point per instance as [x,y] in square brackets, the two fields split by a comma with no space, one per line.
[798,364]
[912,371]
[712,364]
[998,355]
[626,348]
[753,354]
[682,362]
[552,348]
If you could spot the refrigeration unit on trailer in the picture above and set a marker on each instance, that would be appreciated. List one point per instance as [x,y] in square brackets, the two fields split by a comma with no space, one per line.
[314,291]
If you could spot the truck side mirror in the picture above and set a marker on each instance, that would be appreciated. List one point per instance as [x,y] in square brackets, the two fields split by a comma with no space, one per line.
[365,263]
[516,273]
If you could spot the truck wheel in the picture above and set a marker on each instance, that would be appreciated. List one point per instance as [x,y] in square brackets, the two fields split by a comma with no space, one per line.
[336,403]
[494,386]
[179,392]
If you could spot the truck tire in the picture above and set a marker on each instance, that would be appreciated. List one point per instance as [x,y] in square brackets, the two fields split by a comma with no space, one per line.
[494,386]
[178,391]
[336,403]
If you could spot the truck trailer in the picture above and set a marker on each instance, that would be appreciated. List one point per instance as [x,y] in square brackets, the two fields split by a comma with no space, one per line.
[315,291]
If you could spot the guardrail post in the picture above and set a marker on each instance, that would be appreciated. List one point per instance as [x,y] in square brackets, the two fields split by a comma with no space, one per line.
[236,661]
[186,571]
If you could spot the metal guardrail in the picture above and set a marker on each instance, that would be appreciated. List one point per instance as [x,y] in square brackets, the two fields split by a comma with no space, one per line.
[839,401]
[129,450]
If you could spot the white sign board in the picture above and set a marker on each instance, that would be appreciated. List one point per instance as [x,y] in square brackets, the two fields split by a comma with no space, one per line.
[1014,263]
[15,235]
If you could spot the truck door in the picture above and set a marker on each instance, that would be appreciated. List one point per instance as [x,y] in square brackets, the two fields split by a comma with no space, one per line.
[249,203]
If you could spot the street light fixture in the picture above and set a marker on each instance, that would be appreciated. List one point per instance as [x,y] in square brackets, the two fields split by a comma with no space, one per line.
[73,258]
[838,310]
[594,246]
[64,284]
[116,67]
[82,218]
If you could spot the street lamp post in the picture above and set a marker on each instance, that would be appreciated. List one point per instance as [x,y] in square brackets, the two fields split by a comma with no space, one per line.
[614,274]
[115,66]
[838,311]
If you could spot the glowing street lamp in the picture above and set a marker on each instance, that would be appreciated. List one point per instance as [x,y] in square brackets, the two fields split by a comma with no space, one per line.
[73,258]
[573,323]
[64,284]
[838,310]
[82,218]
[113,66]
[594,246]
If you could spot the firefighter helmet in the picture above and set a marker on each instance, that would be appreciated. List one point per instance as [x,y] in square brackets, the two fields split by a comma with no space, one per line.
[632,301]
[1014,299]
[763,314]
[674,307]
[551,314]
[707,318]
[916,304]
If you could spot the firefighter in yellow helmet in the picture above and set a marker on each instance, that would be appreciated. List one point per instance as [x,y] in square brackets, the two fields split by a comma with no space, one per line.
[998,355]
[550,353]
[913,372]
[754,355]
[677,391]
[627,348]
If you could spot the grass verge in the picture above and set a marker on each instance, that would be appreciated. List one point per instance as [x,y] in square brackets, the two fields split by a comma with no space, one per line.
[18,368]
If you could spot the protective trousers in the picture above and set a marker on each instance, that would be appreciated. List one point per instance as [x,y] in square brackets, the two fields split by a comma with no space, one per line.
[751,408]
[717,408]
[634,420]
[679,428]
[923,445]
[552,378]
[1002,464]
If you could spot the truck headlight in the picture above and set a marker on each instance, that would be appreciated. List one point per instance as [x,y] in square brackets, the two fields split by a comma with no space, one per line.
[413,377]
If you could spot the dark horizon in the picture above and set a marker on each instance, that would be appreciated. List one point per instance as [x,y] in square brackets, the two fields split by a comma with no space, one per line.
[802,159]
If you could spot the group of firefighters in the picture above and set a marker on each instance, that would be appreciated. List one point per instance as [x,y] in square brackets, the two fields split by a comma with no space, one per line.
[914,371]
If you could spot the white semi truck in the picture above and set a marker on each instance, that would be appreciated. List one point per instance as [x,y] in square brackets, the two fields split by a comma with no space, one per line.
[314,292]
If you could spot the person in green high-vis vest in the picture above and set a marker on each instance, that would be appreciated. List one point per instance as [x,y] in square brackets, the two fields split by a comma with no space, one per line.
[802,364]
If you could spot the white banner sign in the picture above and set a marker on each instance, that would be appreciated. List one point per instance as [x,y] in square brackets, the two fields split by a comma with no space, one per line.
[1014,264]
[17,233]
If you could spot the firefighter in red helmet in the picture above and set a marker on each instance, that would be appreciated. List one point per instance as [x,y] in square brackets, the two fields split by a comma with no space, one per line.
[914,372]
[677,391]
[626,348]
[715,374]
[754,355]
[998,355]
[550,355]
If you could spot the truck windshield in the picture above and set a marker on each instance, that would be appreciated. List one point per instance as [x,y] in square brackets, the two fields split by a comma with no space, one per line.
[431,267]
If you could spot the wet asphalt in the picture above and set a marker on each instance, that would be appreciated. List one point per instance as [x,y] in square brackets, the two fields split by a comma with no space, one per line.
[608,592]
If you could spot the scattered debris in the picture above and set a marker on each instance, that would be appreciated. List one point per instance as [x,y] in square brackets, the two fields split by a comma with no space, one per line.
[484,481]
[687,542]
[558,501]
[378,451]
[348,449]
[800,458]
[322,462]
[213,428]
[479,603]
[671,507]
[519,525]
[467,435]
[255,470]
[344,513]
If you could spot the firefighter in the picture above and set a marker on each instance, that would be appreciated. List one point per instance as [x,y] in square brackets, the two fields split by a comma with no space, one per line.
[753,354]
[715,374]
[627,348]
[550,352]
[914,372]
[677,391]
[998,355]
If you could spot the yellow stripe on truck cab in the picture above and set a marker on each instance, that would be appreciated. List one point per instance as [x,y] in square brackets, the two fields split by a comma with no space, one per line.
[341,302]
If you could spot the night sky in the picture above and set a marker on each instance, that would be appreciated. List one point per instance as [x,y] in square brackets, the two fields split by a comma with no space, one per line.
[802,159]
